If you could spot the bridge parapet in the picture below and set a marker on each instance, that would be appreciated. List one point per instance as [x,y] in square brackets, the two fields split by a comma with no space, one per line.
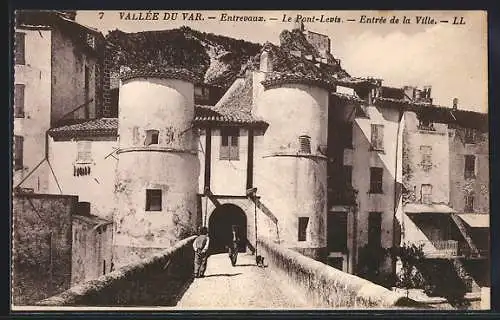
[328,287]
[156,281]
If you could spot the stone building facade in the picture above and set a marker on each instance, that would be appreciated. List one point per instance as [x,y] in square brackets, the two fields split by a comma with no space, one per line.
[295,150]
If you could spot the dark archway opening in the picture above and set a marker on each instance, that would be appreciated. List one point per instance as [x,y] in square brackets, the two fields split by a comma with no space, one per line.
[220,225]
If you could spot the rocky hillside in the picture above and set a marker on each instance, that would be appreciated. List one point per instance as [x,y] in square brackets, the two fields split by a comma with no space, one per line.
[218,59]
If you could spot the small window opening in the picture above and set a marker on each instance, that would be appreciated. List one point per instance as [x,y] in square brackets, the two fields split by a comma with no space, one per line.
[151,137]
[305,144]
[303,222]
[153,200]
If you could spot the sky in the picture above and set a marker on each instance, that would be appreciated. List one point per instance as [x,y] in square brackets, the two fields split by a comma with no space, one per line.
[450,58]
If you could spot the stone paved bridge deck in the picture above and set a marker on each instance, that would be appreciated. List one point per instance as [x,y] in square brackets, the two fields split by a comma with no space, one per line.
[244,286]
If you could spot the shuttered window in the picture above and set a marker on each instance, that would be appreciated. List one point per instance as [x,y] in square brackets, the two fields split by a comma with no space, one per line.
[84,152]
[470,166]
[19,101]
[377,137]
[18,152]
[376,180]
[20,45]
[230,148]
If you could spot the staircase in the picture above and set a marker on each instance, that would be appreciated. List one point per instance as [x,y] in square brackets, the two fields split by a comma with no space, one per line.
[470,283]
[463,230]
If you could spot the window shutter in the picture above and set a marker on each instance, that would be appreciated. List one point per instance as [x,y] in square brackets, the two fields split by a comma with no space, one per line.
[18,152]
[84,152]
[20,48]
[377,137]
[19,100]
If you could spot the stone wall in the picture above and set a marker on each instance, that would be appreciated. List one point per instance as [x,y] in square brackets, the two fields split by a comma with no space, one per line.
[156,281]
[41,245]
[92,248]
[327,286]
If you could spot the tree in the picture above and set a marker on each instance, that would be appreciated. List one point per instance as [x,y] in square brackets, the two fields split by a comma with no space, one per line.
[411,257]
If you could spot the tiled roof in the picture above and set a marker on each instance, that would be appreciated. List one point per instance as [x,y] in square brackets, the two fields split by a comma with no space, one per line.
[161,72]
[276,79]
[92,128]
[348,97]
[235,107]
[233,111]
[437,113]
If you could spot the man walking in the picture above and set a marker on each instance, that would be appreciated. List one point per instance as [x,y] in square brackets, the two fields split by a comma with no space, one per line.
[234,246]
[200,246]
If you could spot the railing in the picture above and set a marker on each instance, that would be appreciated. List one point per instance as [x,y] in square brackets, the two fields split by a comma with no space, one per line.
[326,286]
[446,247]
[156,281]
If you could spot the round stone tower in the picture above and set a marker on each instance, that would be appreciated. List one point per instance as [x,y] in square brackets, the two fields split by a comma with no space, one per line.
[158,168]
[291,170]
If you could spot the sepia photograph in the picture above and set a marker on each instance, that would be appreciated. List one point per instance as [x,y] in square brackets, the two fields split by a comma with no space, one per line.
[250,160]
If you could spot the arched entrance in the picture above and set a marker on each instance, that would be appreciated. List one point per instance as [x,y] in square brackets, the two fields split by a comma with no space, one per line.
[220,224]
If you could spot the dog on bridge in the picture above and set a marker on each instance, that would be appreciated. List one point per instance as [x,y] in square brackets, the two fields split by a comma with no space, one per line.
[260,261]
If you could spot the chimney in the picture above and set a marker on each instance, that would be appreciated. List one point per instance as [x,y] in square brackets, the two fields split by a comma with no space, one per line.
[298,26]
[409,92]
[455,103]
[266,64]
[427,90]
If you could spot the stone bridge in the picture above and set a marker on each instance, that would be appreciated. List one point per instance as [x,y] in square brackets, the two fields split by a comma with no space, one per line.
[288,280]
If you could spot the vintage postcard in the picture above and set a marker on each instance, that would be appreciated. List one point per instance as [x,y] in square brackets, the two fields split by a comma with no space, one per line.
[223,160]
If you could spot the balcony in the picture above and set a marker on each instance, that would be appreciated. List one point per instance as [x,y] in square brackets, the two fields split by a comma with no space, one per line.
[447,248]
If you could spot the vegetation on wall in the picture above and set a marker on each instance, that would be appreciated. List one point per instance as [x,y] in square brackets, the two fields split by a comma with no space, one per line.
[408,192]
[218,58]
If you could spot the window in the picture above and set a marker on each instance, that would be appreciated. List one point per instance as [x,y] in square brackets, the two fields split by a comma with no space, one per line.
[229,149]
[469,135]
[18,152]
[426,152]
[305,144]
[469,203]
[84,154]
[337,232]
[348,176]
[19,101]
[377,137]
[375,229]
[151,137]
[425,124]
[376,180]
[303,221]
[347,135]
[470,166]
[20,48]
[426,193]
[153,200]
